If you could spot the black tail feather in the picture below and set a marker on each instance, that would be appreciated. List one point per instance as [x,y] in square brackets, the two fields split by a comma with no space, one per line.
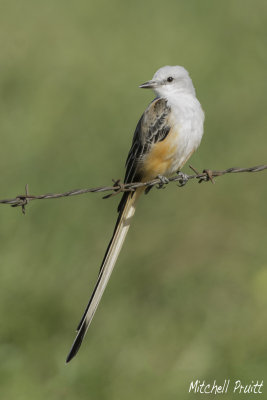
[76,344]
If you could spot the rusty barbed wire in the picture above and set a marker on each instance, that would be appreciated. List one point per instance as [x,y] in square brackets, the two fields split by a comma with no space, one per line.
[119,187]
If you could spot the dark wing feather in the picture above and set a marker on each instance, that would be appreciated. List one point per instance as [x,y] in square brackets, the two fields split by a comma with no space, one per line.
[152,127]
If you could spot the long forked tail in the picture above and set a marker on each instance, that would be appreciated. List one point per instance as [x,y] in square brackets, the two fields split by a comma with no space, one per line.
[126,211]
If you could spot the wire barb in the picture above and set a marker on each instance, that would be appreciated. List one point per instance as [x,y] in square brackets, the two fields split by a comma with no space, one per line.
[119,187]
[22,200]
[207,177]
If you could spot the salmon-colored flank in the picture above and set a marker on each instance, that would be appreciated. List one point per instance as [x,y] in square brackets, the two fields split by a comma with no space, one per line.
[160,157]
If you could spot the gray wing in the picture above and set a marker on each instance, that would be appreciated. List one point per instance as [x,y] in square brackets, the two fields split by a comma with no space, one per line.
[152,127]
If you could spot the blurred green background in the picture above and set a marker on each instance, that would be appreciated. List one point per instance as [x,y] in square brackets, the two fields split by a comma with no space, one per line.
[188,296]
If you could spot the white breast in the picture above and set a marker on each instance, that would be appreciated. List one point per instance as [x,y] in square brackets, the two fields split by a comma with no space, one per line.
[187,118]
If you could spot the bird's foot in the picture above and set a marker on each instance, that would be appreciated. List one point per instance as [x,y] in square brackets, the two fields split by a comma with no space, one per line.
[163,181]
[148,188]
[183,178]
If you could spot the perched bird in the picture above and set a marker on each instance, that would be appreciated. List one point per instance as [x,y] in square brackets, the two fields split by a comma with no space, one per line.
[167,134]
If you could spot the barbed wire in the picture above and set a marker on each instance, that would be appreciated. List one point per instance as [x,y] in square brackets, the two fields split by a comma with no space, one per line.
[119,187]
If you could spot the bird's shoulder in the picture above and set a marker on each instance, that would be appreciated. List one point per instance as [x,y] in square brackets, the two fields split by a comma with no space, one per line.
[154,122]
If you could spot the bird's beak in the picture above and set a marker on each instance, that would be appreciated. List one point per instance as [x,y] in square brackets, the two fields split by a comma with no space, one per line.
[148,85]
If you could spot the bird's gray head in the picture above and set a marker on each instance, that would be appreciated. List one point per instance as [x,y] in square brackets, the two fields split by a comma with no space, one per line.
[170,80]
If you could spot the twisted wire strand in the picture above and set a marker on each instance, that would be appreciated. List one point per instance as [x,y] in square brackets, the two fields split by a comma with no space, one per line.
[118,186]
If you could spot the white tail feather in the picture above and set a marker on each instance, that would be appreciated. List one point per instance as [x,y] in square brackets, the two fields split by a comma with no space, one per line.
[109,261]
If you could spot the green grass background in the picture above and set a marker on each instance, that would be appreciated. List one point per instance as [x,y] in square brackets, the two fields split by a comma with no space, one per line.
[188,296]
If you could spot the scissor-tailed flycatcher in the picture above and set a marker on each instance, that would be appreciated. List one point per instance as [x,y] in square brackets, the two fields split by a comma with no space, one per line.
[167,134]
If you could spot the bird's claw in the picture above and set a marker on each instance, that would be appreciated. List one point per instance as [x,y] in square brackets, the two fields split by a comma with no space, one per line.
[183,178]
[148,188]
[163,181]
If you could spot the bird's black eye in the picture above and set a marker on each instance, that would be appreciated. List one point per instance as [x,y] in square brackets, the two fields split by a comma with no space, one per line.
[170,79]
